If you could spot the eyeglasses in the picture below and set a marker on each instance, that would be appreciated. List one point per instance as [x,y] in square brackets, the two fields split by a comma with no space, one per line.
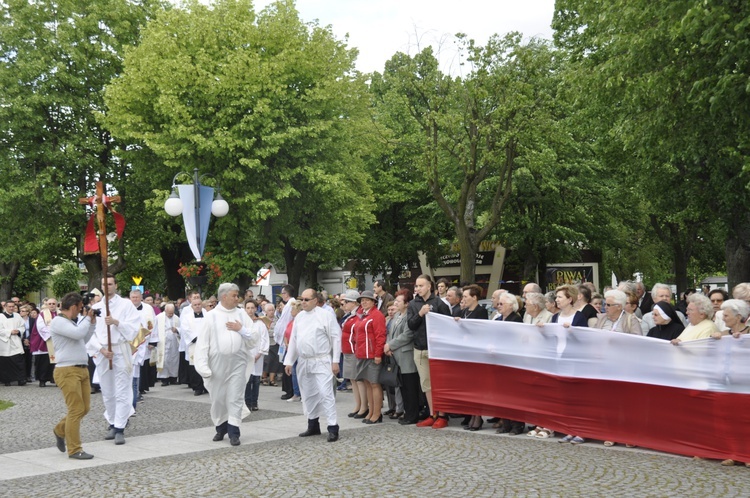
[306,299]
[613,304]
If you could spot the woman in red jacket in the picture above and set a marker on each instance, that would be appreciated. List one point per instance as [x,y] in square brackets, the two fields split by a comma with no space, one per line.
[370,333]
[348,340]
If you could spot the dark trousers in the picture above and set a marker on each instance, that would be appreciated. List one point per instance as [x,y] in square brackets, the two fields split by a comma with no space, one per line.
[28,359]
[43,369]
[410,393]
[195,381]
[182,371]
[286,384]
[227,428]
[252,390]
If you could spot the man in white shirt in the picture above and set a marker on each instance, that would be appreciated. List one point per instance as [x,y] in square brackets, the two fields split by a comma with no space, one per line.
[316,346]
[115,368]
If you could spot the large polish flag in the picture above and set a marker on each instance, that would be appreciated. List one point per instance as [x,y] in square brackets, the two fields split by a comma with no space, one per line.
[692,399]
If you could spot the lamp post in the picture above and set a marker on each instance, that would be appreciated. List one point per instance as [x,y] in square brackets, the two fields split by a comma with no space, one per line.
[196,203]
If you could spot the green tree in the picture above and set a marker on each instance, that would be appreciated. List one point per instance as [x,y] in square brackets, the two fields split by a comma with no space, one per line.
[55,58]
[639,64]
[66,279]
[472,131]
[271,108]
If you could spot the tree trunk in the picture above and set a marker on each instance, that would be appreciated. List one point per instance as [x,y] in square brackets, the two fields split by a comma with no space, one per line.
[680,269]
[295,264]
[8,274]
[171,257]
[530,265]
[468,247]
[738,251]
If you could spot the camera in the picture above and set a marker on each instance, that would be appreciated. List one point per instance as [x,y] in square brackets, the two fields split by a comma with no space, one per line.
[87,296]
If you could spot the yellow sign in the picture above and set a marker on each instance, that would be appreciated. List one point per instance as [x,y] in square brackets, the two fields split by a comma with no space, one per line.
[137,280]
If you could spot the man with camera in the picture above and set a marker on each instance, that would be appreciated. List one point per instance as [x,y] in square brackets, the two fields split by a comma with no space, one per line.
[71,373]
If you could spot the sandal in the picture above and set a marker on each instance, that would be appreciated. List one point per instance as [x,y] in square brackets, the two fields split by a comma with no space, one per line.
[533,433]
[545,433]
[272,384]
[609,443]
[566,439]
[577,440]
[728,462]
[264,382]
[630,446]
[395,415]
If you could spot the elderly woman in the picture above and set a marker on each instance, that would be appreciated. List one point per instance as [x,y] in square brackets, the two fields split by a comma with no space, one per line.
[370,334]
[400,345]
[616,318]
[699,313]
[536,311]
[509,308]
[350,306]
[717,298]
[550,302]
[735,313]
[668,325]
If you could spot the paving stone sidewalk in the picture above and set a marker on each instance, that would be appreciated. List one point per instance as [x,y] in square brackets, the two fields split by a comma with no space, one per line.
[378,460]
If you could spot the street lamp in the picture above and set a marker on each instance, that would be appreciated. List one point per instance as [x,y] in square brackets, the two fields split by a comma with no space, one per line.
[193,202]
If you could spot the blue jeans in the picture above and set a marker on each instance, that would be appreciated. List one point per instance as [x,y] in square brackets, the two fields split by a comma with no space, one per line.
[295,384]
[252,390]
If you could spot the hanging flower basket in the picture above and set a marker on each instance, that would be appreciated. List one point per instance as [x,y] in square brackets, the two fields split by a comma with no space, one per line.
[199,273]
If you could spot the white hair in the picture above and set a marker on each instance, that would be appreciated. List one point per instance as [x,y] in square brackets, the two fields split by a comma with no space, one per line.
[703,304]
[657,287]
[535,298]
[738,307]
[741,291]
[618,296]
[508,297]
[226,287]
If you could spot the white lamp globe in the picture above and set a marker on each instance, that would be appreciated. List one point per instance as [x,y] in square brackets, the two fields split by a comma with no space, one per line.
[173,206]
[219,207]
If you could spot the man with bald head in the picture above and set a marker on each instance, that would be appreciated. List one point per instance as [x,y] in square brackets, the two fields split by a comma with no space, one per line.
[168,345]
[316,346]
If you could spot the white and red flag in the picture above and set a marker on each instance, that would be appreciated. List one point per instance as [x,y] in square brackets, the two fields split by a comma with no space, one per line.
[692,399]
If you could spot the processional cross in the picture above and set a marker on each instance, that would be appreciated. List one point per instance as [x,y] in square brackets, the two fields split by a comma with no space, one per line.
[101,202]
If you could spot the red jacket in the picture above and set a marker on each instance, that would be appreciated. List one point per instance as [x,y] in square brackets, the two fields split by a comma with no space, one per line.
[370,333]
[347,333]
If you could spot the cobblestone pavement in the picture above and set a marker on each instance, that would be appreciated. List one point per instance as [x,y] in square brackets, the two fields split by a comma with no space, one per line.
[376,460]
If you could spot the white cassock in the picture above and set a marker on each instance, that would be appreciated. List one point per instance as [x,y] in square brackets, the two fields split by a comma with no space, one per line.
[190,329]
[223,359]
[168,349]
[315,345]
[116,383]
[260,348]
[147,322]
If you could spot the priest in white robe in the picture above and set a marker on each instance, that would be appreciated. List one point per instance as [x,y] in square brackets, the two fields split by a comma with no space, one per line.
[316,347]
[223,357]
[116,381]
[168,346]
[12,360]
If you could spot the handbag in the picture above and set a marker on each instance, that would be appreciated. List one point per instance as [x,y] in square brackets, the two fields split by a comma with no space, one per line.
[389,373]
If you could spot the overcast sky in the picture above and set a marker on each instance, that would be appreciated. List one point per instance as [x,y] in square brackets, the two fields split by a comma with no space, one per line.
[381,28]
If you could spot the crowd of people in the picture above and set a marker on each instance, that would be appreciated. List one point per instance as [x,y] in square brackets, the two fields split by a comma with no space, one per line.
[312,345]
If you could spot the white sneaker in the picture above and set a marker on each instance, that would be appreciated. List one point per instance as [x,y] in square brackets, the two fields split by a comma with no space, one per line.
[293,399]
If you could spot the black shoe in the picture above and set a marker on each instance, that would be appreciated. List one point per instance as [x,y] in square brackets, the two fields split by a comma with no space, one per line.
[164,384]
[474,428]
[361,415]
[378,421]
[466,420]
[218,437]
[332,438]
[60,442]
[407,422]
[41,383]
[23,383]
[234,440]
[286,396]
[310,432]
[313,428]
[197,392]
[493,420]
[390,412]
[81,455]
[254,408]
[352,414]
[110,434]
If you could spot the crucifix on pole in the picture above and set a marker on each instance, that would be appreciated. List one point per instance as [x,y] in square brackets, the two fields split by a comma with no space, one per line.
[96,239]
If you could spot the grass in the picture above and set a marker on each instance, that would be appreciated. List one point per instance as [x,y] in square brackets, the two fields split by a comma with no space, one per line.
[5,404]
